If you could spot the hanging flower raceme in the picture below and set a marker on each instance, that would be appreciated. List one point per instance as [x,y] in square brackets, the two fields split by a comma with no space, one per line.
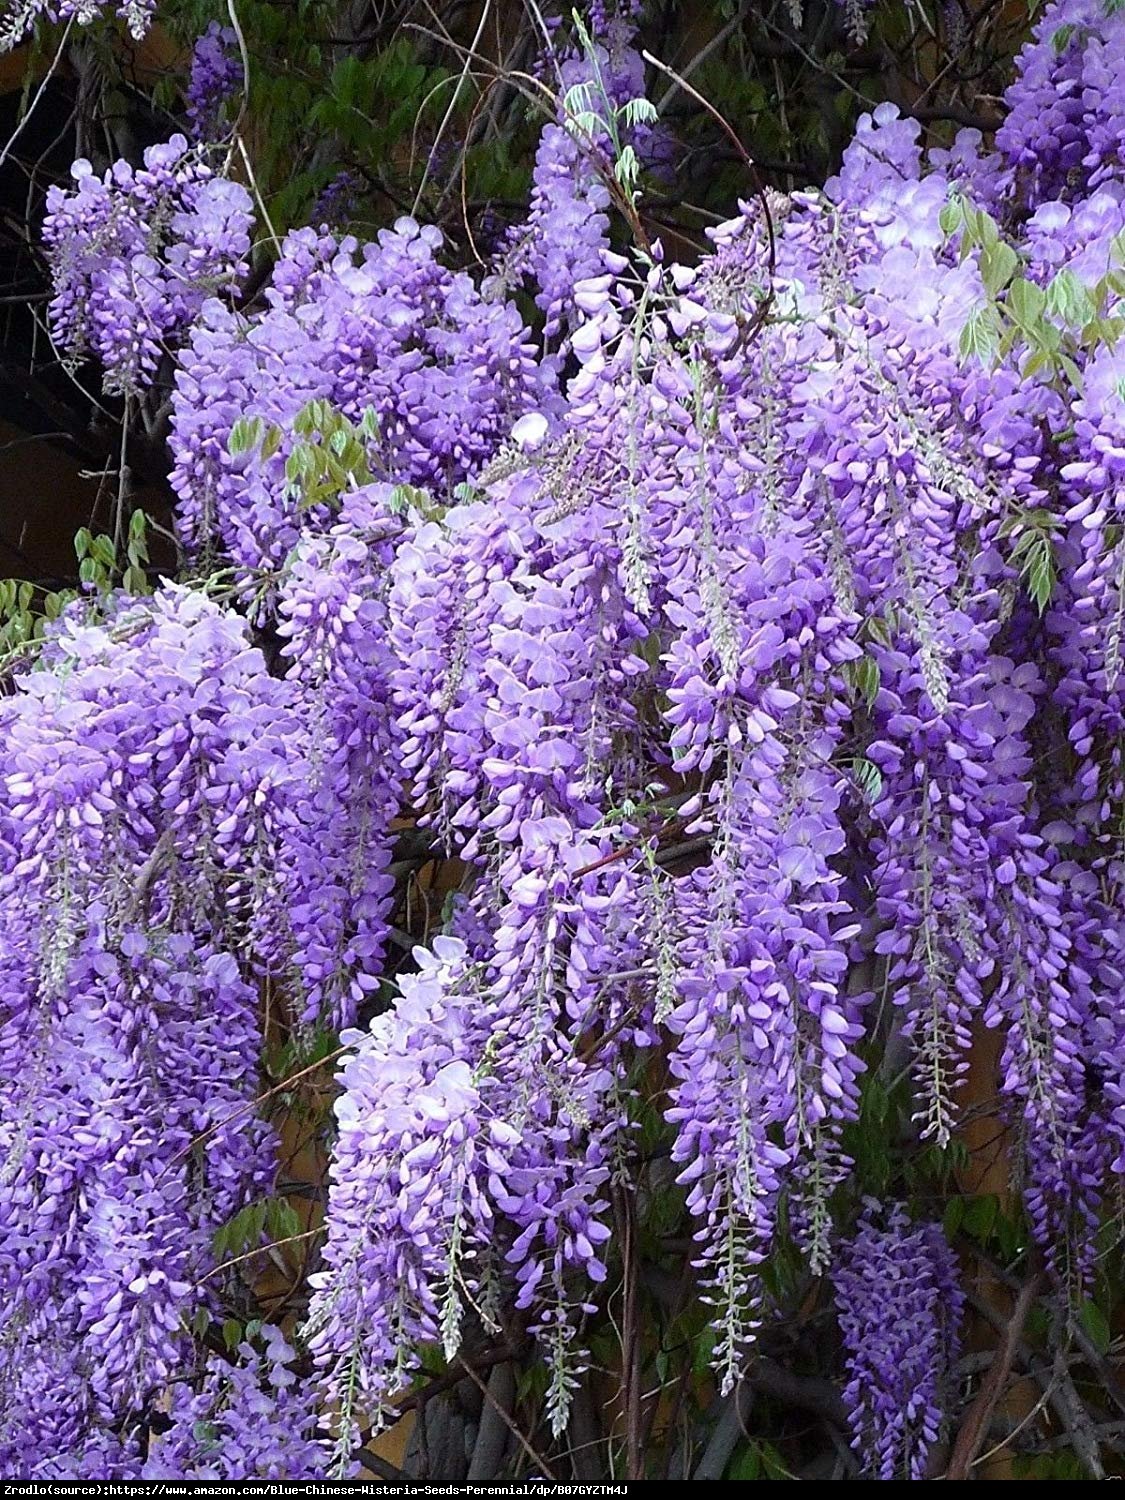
[431,375]
[139,756]
[49,1428]
[899,1305]
[602,136]
[337,845]
[1063,134]
[250,1417]
[764,1017]
[135,254]
[216,76]
[419,1158]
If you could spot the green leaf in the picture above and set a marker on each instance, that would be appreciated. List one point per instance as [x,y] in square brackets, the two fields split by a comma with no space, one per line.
[348,79]
[980,1216]
[998,264]
[866,678]
[772,1466]
[244,435]
[1071,371]
[1011,1234]
[980,228]
[639,112]
[980,337]
[304,423]
[869,778]
[879,629]
[1038,569]
[1096,1325]
[271,441]
[296,465]
[1026,303]
[626,169]
[1105,331]
[876,1102]
[952,216]
[578,99]
[953,1217]
[1069,300]
[702,1351]
[746,1464]
[282,1221]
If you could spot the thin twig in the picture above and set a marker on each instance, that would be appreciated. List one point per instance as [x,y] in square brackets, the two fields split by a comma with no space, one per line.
[50,73]
[291,1239]
[630,1336]
[451,106]
[244,102]
[702,55]
[537,1459]
[257,190]
[732,135]
[973,1429]
[251,1104]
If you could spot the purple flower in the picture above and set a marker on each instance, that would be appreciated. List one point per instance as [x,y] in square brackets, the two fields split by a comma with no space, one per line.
[899,1302]
[135,254]
[216,76]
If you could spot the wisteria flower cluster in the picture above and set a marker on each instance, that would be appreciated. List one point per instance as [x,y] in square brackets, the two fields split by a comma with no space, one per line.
[1064,134]
[216,77]
[816,525]
[247,1417]
[761,657]
[165,798]
[135,254]
[139,758]
[604,131]
[384,329]
[900,1312]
